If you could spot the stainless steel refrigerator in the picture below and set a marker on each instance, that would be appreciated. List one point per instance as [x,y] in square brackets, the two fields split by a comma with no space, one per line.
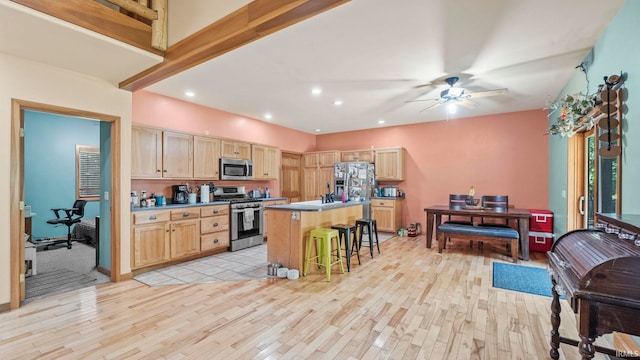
[357,181]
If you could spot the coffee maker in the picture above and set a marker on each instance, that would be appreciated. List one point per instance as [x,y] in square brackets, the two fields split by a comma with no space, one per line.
[180,194]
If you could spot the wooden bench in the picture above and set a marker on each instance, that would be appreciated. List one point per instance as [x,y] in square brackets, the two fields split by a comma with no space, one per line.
[483,232]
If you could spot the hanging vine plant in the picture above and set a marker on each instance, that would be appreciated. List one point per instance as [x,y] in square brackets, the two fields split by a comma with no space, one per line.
[574,113]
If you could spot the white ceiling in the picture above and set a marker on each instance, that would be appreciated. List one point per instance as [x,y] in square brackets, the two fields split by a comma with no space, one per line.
[372,54]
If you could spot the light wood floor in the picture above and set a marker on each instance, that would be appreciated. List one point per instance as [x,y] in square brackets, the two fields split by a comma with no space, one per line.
[409,302]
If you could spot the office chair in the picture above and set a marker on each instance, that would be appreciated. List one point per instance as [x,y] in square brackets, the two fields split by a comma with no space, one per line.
[73,216]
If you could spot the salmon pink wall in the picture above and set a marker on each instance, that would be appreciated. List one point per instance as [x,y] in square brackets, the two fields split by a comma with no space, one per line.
[168,113]
[504,154]
[165,112]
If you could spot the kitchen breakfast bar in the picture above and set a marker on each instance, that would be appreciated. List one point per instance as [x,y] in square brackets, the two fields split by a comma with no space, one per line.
[290,224]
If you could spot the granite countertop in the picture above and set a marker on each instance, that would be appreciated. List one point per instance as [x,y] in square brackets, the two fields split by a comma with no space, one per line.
[178,206]
[315,205]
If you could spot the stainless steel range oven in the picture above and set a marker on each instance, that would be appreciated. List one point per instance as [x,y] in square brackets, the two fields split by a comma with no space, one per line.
[246,217]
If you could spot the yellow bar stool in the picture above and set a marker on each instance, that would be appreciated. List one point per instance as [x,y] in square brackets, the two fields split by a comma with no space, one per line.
[322,239]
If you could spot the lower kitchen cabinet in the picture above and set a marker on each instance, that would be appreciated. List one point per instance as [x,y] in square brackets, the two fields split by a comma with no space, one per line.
[185,238]
[164,235]
[214,228]
[150,244]
[388,214]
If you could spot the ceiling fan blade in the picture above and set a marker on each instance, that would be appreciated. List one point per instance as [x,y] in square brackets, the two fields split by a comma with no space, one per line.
[433,106]
[485,93]
[466,103]
[419,100]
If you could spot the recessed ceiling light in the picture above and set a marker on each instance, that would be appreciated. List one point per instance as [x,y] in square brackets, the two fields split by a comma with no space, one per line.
[337,102]
[380,122]
[189,93]
[317,130]
[316,91]
[268,116]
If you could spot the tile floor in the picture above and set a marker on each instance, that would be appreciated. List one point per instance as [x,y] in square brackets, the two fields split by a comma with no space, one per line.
[246,264]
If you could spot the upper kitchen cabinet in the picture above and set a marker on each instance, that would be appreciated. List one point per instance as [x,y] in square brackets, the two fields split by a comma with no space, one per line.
[206,155]
[235,149]
[390,164]
[265,162]
[358,155]
[146,152]
[320,158]
[177,155]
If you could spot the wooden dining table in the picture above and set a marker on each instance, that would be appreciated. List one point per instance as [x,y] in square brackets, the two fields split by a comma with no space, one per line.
[435,212]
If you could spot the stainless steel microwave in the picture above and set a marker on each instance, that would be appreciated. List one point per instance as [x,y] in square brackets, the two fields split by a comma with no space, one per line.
[236,169]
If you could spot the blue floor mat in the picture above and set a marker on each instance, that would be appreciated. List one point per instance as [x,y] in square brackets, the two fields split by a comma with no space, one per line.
[532,280]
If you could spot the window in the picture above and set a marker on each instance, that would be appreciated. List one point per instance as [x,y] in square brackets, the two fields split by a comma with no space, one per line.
[87,172]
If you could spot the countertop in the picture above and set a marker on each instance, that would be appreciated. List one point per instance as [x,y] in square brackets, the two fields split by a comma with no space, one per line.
[315,205]
[179,206]
[388,197]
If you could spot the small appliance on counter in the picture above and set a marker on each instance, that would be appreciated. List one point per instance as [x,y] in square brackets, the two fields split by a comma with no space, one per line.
[180,194]
[390,191]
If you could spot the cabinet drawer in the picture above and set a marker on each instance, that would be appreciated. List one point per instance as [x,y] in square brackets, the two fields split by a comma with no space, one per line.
[382,203]
[150,217]
[183,214]
[214,223]
[214,240]
[214,210]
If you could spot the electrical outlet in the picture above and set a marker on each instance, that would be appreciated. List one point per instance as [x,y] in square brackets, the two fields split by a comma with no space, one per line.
[106,195]
[564,194]
[295,215]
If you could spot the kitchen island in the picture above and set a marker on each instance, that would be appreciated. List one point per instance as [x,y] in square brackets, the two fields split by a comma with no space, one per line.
[290,224]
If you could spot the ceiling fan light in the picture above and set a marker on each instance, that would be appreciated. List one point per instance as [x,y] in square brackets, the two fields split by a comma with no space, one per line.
[455,92]
[452,108]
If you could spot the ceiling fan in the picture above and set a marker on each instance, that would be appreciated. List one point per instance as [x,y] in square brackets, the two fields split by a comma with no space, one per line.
[457,95]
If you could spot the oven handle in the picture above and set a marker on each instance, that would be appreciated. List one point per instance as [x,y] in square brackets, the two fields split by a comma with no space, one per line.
[236,211]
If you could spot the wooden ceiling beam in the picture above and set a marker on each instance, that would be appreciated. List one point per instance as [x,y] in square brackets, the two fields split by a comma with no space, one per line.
[99,18]
[249,23]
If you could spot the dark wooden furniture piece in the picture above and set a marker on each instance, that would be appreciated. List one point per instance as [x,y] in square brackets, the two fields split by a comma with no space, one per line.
[434,215]
[599,273]
[458,201]
[496,203]
[493,234]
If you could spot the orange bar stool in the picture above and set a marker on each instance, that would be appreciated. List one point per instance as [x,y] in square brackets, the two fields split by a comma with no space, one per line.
[322,239]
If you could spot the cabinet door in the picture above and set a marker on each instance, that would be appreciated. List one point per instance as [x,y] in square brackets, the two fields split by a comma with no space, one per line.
[146,153]
[266,214]
[390,164]
[325,176]
[206,157]
[150,244]
[366,155]
[243,150]
[177,155]
[235,149]
[228,149]
[309,184]
[265,162]
[328,158]
[185,238]
[310,160]
[348,156]
[384,218]
[271,163]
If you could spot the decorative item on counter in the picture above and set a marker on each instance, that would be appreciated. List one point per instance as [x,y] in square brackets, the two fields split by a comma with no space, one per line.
[344,198]
[135,200]
[266,192]
[470,200]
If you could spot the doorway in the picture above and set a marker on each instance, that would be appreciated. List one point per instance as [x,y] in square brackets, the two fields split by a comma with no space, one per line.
[17,195]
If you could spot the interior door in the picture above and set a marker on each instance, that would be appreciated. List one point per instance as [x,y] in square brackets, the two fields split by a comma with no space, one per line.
[588,208]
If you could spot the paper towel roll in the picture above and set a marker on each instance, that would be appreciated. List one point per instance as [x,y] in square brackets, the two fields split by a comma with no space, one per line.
[204,193]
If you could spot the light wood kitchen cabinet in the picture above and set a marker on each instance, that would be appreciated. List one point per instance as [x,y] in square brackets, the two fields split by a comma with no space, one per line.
[388,214]
[164,235]
[206,155]
[315,182]
[146,152]
[266,203]
[177,155]
[390,164]
[265,162]
[185,238]
[315,178]
[151,241]
[235,149]
[358,155]
[214,227]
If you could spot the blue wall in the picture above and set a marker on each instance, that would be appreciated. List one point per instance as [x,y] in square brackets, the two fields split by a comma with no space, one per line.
[616,51]
[50,166]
